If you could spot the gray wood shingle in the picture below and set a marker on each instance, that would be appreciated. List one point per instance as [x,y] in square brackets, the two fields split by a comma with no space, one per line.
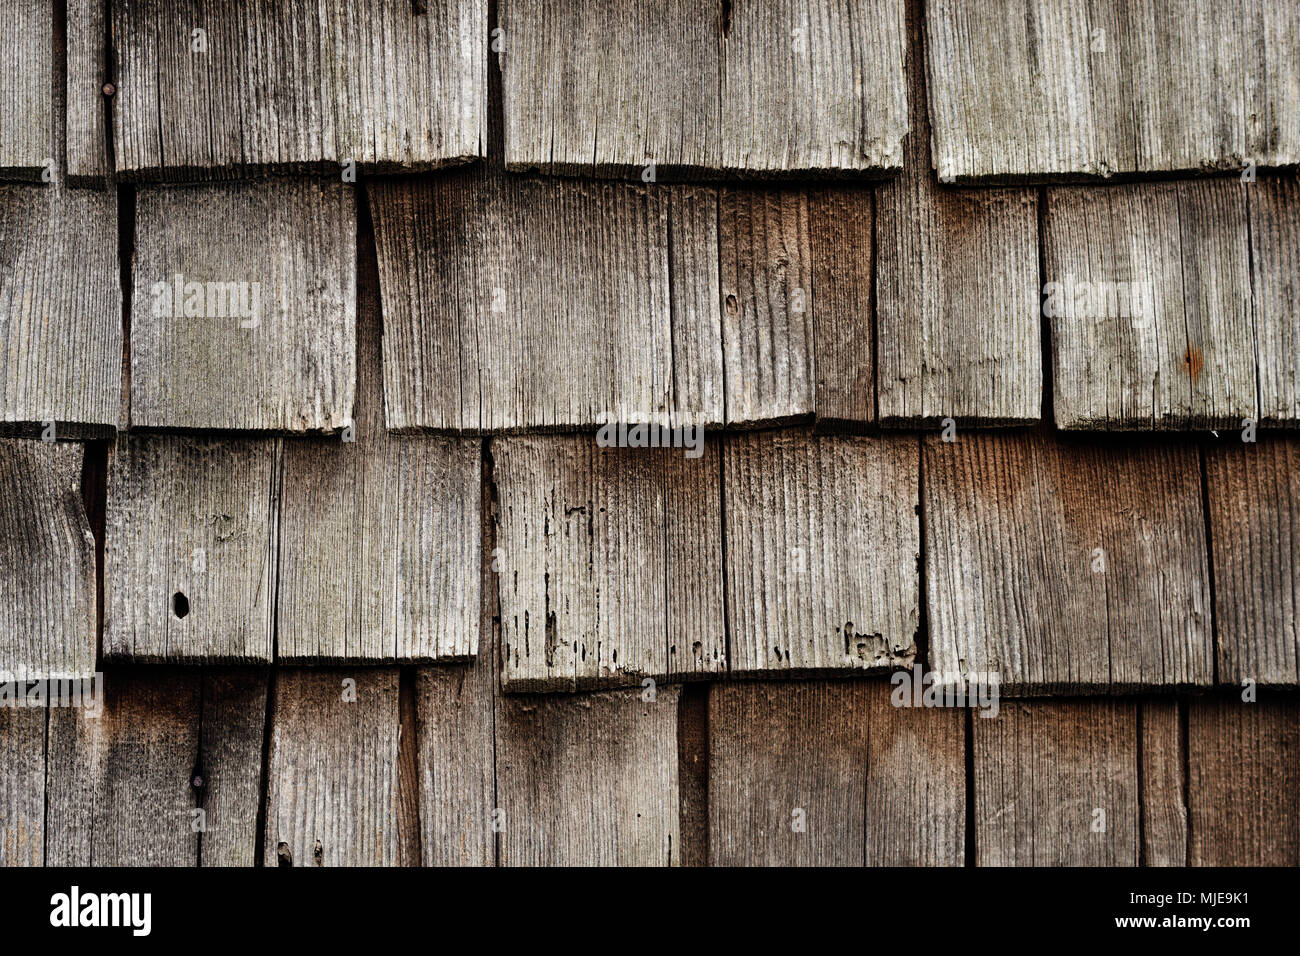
[27,118]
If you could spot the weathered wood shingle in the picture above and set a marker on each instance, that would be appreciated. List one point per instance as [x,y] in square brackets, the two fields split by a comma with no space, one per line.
[47,586]
[1064,567]
[87,159]
[608,563]
[784,86]
[226,89]
[1086,88]
[821,541]
[27,118]
[1274,206]
[244,313]
[60,311]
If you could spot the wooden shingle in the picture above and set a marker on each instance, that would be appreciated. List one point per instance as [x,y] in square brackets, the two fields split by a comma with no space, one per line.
[1148,293]
[379,535]
[1064,89]
[27,119]
[244,309]
[60,312]
[958,321]
[780,87]
[608,563]
[1163,776]
[790,764]
[87,159]
[189,557]
[1274,206]
[48,604]
[1064,567]
[215,90]
[821,540]
[22,786]
[1253,495]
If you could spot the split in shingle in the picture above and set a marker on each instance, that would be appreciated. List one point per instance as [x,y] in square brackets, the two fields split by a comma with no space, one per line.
[208,90]
[380,536]
[1056,784]
[244,308]
[60,312]
[332,770]
[790,763]
[957,293]
[190,549]
[1065,89]
[48,605]
[1253,496]
[821,541]
[781,87]
[27,120]
[608,563]
[1148,293]
[1062,567]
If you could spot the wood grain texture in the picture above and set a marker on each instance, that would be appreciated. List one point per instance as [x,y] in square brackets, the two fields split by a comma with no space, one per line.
[514,304]
[819,747]
[190,550]
[1042,771]
[588,781]
[228,777]
[1274,207]
[87,160]
[391,87]
[27,116]
[379,535]
[1164,784]
[1068,89]
[48,605]
[840,230]
[285,359]
[331,791]
[60,312]
[1064,567]
[1244,781]
[120,786]
[610,563]
[1149,300]
[756,88]
[957,291]
[1253,495]
[22,786]
[822,539]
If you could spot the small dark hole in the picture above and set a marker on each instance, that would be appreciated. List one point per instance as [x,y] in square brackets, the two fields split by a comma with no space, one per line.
[180,604]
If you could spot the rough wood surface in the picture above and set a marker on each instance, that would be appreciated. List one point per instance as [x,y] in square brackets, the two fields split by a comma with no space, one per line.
[567,292]
[1253,494]
[379,535]
[1066,567]
[189,558]
[228,777]
[957,292]
[120,786]
[87,159]
[22,786]
[821,540]
[1244,782]
[610,563]
[1149,300]
[286,360]
[1090,89]
[60,311]
[1164,784]
[48,604]
[1043,770]
[331,790]
[27,117]
[300,85]
[790,764]
[588,780]
[759,88]
[1274,206]
[767,304]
